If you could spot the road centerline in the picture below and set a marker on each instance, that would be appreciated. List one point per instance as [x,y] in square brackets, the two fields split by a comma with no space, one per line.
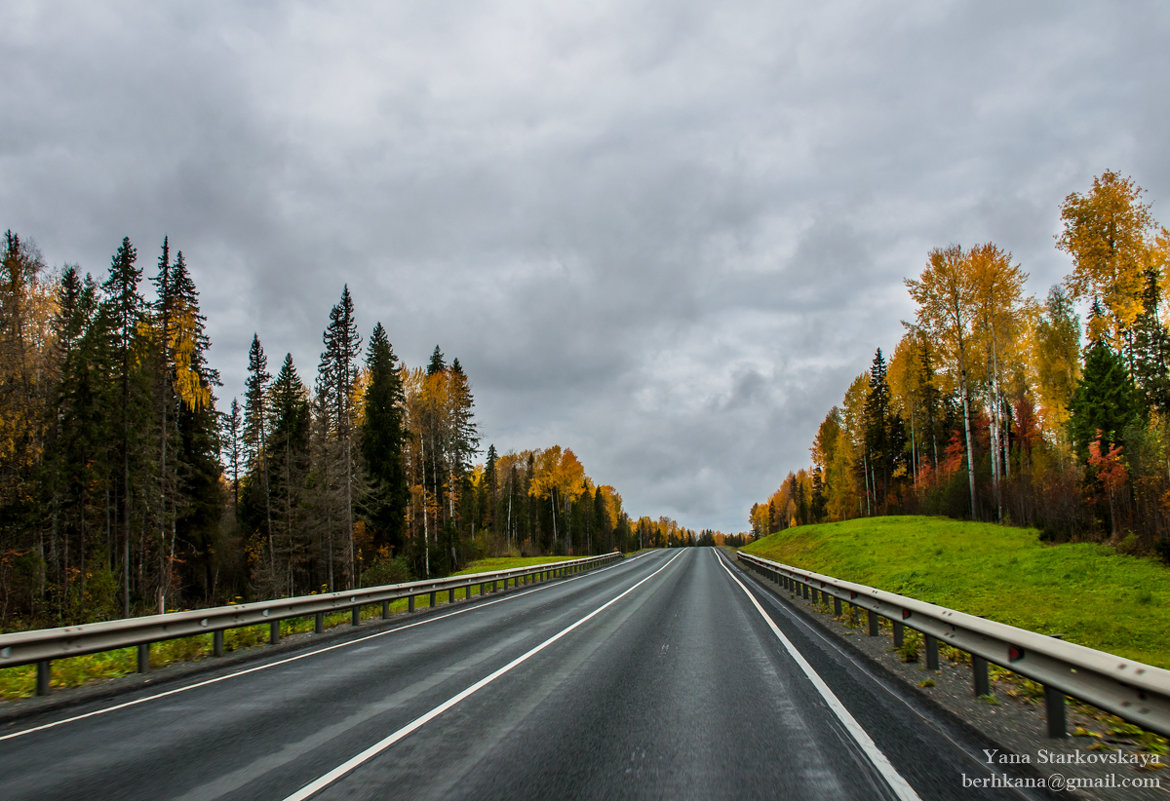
[377,748]
[305,655]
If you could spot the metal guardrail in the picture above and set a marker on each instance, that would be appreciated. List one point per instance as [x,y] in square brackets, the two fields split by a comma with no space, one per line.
[42,646]
[1131,690]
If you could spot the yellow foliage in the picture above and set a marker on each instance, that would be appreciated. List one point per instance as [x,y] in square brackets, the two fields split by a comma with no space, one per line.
[1104,232]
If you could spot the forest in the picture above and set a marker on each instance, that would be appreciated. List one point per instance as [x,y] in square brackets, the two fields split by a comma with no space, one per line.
[125,490]
[998,407]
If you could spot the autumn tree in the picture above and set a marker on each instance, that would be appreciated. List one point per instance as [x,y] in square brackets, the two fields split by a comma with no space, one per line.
[559,479]
[1105,232]
[1055,362]
[946,296]
[999,324]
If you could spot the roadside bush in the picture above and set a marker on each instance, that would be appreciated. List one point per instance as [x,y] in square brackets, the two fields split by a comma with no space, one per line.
[386,571]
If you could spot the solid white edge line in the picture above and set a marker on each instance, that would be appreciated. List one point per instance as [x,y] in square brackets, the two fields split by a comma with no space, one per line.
[346,644]
[897,783]
[978,761]
[354,762]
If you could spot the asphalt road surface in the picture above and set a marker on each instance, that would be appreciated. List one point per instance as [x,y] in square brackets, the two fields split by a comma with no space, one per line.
[669,676]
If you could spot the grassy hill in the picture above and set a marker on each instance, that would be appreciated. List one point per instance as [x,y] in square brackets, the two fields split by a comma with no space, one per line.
[1087,593]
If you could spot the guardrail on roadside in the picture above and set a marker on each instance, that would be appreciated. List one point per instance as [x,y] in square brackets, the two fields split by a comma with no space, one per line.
[42,646]
[1131,690]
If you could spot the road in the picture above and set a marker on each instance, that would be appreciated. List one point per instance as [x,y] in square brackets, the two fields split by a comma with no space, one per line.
[669,676]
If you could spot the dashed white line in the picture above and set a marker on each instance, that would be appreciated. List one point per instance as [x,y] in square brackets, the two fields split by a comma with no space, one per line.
[349,765]
[305,655]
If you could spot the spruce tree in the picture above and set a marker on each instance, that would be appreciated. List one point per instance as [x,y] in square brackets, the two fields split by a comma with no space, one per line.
[288,444]
[436,365]
[126,311]
[1104,401]
[1150,346]
[197,454]
[383,436]
[884,436]
[232,448]
[255,436]
[337,375]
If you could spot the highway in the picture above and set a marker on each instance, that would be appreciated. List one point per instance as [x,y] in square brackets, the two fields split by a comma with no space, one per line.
[671,675]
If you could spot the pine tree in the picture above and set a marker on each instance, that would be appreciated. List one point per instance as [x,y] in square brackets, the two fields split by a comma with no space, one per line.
[337,375]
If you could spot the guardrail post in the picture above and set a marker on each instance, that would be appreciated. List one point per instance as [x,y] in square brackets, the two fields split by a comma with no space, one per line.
[274,632]
[979,669]
[804,591]
[385,609]
[433,598]
[814,595]
[467,593]
[355,616]
[410,604]
[44,674]
[837,610]
[898,633]
[217,642]
[930,643]
[495,586]
[873,622]
[144,657]
[1055,710]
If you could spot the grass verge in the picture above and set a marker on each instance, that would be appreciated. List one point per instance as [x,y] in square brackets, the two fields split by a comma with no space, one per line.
[1086,593]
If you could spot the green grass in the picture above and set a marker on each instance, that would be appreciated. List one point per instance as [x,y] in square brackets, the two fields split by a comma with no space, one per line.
[509,562]
[1085,592]
[20,682]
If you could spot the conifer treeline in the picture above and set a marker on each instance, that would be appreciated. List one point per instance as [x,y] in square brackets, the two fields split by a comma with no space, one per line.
[123,489]
[990,409]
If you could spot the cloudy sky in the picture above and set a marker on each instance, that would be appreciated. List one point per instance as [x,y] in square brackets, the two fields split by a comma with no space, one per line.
[666,235]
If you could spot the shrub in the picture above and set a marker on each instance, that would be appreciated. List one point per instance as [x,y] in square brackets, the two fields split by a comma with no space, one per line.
[386,571]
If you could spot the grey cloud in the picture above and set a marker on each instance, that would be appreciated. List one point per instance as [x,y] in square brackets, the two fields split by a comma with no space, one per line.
[666,236]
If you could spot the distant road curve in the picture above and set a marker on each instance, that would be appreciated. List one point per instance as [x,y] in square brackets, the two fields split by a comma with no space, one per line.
[671,675]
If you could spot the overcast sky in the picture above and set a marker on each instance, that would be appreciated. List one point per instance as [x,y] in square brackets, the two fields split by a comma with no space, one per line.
[665,235]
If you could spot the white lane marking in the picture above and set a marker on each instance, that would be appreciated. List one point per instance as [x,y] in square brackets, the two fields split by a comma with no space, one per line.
[897,783]
[380,746]
[305,655]
[977,760]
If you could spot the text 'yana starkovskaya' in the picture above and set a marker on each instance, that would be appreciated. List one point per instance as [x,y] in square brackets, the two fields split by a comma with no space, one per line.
[995,756]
